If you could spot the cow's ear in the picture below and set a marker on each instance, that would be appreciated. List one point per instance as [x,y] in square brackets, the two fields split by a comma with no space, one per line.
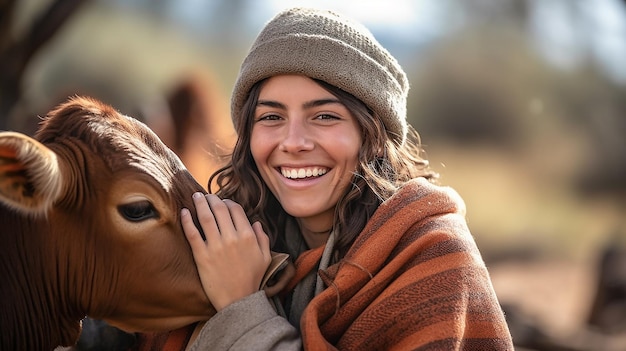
[30,178]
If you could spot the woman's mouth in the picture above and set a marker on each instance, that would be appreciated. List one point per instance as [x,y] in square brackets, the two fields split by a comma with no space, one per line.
[301,173]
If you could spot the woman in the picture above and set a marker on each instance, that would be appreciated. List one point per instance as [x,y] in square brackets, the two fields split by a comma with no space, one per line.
[327,170]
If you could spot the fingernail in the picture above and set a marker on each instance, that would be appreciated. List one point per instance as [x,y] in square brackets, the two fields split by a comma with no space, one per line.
[197,195]
[184,212]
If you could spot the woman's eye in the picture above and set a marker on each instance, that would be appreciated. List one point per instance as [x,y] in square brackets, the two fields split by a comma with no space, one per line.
[327,117]
[268,118]
[138,211]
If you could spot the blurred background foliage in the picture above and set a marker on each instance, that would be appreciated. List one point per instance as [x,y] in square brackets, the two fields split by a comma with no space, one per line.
[521,104]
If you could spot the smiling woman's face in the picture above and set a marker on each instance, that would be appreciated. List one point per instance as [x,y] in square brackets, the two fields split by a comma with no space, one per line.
[305,144]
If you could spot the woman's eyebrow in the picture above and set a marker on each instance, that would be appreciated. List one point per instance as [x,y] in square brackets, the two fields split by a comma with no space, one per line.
[321,102]
[271,103]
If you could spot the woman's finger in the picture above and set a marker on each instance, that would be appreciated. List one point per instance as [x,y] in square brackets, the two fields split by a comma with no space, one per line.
[206,218]
[239,219]
[263,240]
[264,243]
[192,234]
[222,216]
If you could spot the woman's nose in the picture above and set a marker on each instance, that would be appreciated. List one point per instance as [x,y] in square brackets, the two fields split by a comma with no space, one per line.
[296,138]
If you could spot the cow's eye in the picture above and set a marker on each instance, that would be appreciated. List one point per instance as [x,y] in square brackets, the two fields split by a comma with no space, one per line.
[138,211]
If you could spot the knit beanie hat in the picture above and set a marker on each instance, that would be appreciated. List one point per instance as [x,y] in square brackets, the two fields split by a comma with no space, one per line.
[327,46]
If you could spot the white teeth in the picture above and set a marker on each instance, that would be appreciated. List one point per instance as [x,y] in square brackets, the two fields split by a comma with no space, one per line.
[302,172]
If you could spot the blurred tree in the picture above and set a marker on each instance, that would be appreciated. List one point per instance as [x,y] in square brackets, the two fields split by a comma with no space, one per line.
[16,53]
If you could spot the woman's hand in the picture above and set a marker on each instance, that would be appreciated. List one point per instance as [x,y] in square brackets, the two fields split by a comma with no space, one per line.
[236,254]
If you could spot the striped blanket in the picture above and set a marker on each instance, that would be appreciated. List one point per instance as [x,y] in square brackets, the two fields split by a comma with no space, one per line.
[413,280]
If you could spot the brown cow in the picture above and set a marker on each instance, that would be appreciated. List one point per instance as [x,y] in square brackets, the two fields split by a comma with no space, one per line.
[89,218]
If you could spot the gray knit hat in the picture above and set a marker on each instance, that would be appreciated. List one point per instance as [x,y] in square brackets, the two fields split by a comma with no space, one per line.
[329,47]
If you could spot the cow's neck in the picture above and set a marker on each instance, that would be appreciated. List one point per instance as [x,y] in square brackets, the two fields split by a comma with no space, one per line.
[45,317]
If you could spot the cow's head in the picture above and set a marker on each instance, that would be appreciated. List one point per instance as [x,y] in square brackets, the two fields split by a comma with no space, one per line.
[89,221]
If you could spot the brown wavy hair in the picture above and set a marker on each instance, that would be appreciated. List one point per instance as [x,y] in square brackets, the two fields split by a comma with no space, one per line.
[384,166]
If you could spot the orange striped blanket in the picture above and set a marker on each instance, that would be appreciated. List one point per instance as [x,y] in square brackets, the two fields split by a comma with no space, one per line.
[413,280]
